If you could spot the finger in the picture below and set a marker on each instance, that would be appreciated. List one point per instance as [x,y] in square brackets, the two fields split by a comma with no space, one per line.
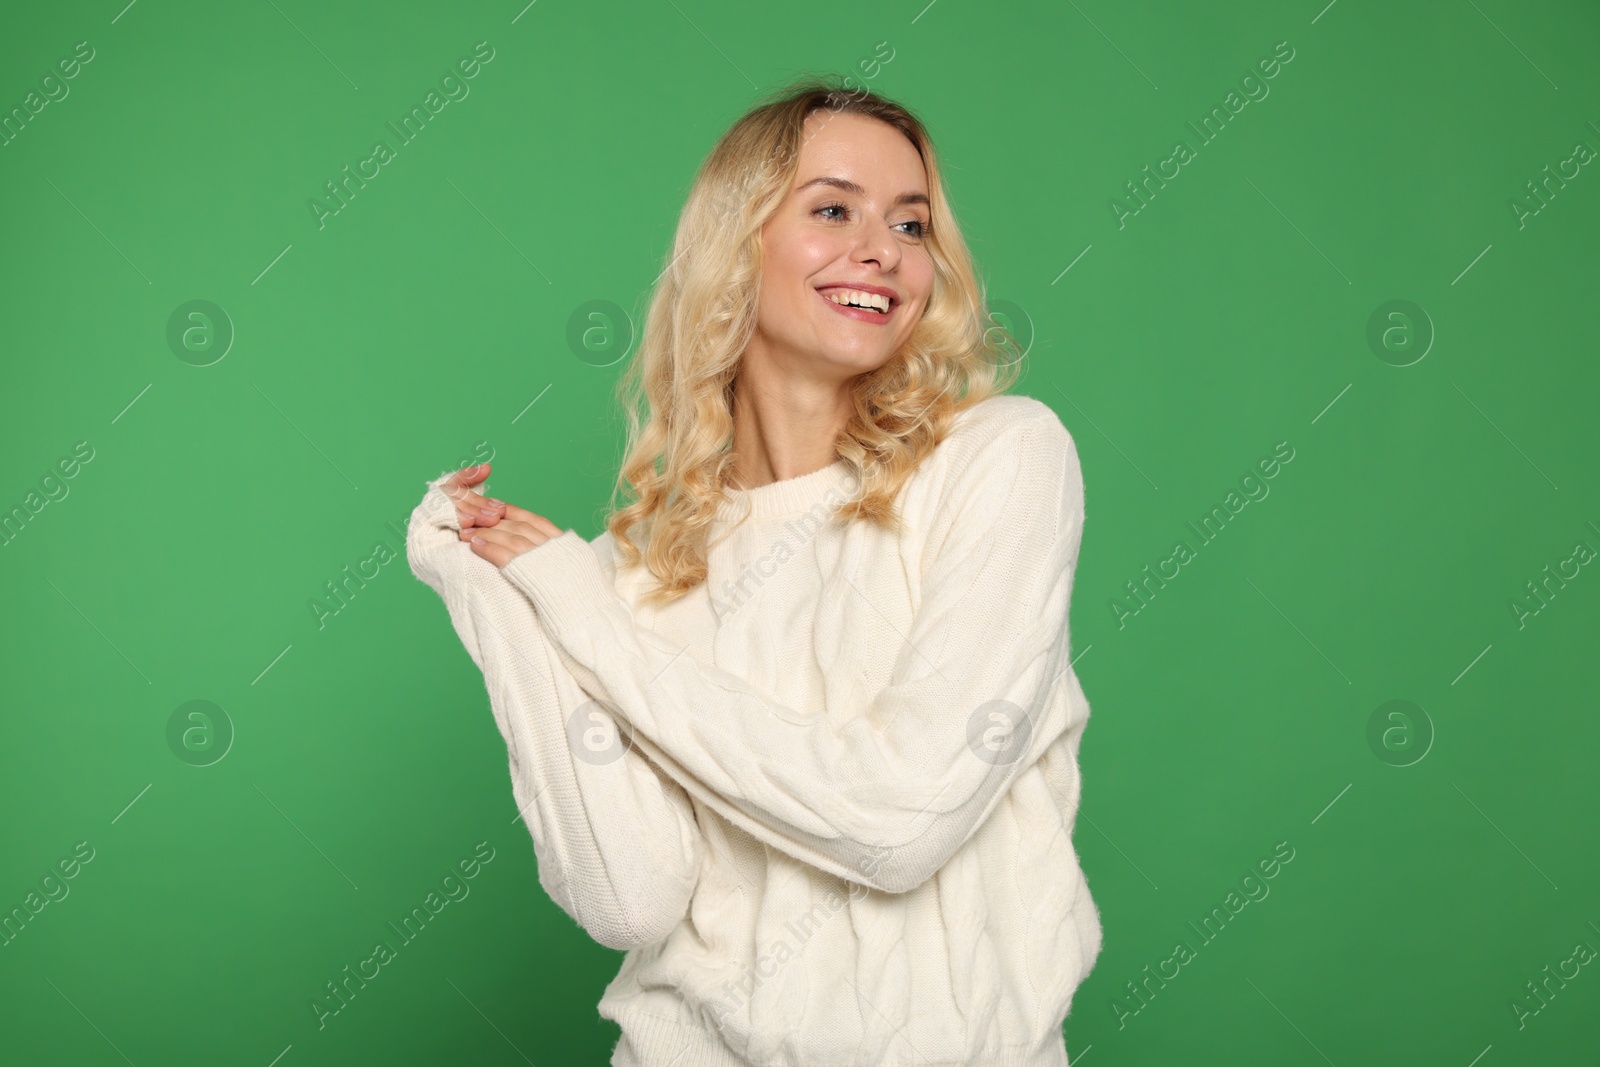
[458,483]
[496,546]
[510,533]
[472,475]
[502,544]
[538,522]
[481,546]
[473,509]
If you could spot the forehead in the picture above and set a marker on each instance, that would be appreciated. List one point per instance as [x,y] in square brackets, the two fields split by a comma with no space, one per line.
[863,149]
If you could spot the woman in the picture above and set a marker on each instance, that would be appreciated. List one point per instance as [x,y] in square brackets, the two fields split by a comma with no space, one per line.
[799,731]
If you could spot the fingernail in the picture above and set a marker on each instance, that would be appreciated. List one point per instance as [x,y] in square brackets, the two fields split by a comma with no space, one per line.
[496,503]
[488,513]
[478,540]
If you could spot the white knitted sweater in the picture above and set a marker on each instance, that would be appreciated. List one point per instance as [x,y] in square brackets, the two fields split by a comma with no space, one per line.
[825,801]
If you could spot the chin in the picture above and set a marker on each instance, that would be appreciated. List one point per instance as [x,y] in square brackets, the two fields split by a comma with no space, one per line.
[860,362]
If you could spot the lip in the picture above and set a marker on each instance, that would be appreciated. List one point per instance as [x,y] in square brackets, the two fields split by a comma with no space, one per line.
[861,314]
[879,290]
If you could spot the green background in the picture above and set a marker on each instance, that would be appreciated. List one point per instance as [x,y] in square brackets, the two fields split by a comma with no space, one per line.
[1437,869]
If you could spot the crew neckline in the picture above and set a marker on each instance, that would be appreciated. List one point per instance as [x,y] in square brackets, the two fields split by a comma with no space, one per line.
[786,496]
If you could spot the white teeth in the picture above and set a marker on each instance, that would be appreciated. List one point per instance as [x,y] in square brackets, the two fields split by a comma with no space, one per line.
[860,299]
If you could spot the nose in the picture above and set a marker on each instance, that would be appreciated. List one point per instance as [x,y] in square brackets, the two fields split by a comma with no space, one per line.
[875,242]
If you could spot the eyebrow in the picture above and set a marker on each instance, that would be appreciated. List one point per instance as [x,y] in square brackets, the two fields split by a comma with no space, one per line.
[849,186]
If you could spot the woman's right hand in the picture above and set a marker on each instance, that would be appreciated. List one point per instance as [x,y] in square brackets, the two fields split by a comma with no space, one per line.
[472,509]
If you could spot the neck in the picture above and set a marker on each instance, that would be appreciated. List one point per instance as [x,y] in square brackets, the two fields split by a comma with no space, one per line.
[784,427]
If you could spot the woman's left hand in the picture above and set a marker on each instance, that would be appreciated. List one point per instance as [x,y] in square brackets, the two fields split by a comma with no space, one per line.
[518,531]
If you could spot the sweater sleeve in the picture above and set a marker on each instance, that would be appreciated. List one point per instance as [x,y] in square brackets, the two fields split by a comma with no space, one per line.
[885,792]
[617,843]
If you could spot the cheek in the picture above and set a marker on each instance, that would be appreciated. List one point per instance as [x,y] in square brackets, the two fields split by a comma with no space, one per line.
[790,269]
[793,250]
[919,274]
[810,254]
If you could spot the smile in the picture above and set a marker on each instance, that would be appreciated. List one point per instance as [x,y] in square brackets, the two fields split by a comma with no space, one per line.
[874,308]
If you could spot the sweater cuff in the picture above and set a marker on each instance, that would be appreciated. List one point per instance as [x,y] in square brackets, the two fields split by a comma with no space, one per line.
[437,509]
[565,580]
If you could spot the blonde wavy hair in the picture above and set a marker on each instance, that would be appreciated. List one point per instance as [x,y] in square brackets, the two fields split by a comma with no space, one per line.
[677,393]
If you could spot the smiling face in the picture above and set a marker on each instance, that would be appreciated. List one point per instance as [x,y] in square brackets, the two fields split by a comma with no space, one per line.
[852,227]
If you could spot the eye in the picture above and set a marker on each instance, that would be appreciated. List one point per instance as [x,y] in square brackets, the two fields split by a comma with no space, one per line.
[920,231]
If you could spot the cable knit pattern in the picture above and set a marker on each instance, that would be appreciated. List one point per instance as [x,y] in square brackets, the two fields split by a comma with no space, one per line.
[600,830]
[839,831]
